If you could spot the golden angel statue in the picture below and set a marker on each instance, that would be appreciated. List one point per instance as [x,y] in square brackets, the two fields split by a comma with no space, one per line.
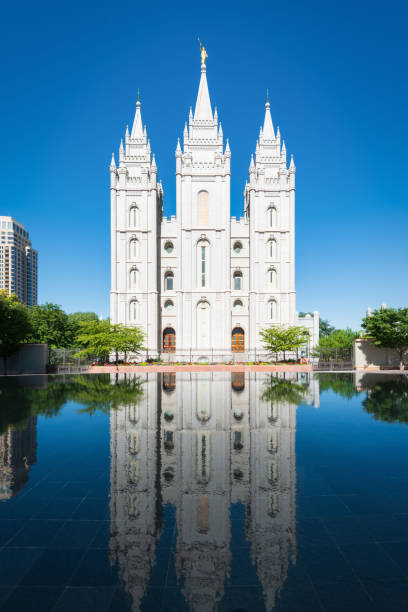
[203,52]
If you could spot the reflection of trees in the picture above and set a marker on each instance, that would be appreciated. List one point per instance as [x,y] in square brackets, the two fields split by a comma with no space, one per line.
[93,392]
[341,384]
[100,393]
[19,402]
[283,390]
[388,401]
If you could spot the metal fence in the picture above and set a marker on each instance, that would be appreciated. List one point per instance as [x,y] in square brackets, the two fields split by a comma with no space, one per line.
[64,361]
[333,359]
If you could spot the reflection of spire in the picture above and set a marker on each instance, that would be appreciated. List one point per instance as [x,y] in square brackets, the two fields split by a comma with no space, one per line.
[197,444]
[17,454]
[133,496]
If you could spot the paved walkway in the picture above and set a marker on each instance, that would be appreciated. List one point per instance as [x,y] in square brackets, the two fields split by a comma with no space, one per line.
[112,369]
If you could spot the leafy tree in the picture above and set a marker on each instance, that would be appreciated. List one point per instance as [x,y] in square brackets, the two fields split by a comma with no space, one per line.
[51,325]
[75,319]
[325,327]
[388,328]
[388,401]
[101,338]
[103,394]
[93,392]
[283,390]
[340,342]
[15,324]
[78,317]
[282,339]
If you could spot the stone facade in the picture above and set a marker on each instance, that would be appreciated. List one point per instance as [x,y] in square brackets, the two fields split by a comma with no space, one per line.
[204,450]
[202,281]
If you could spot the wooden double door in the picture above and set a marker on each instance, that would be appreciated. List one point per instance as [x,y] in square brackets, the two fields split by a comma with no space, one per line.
[238,340]
[169,340]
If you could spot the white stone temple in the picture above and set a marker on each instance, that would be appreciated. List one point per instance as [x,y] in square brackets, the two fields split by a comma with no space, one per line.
[205,445]
[202,284]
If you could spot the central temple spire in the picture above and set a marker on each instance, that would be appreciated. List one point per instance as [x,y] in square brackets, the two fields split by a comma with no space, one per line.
[203,111]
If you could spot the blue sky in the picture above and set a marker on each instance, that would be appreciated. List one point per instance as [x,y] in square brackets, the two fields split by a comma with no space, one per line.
[337,77]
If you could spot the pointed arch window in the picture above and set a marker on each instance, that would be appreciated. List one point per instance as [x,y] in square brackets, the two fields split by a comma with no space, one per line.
[272,248]
[133,274]
[202,208]
[203,263]
[272,278]
[272,216]
[237,280]
[133,216]
[133,248]
[272,310]
[133,310]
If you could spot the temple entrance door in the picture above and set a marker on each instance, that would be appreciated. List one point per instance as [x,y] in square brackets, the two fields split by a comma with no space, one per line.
[169,340]
[238,340]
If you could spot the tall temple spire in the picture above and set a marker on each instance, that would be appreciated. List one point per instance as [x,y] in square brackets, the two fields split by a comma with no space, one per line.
[268,131]
[137,129]
[203,109]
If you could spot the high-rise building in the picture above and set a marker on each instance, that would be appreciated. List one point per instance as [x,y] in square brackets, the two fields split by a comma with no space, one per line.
[18,261]
[203,282]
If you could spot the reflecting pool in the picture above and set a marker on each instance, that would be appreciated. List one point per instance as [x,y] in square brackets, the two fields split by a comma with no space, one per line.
[204,491]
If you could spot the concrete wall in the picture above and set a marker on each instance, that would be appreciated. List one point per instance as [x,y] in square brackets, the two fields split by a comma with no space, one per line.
[368,356]
[29,359]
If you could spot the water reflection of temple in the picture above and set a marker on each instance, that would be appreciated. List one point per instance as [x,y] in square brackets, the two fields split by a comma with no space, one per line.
[18,448]
[202,442]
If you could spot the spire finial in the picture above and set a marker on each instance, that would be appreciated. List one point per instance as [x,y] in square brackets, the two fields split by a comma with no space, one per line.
[203,52]
[267,95]
[138,95]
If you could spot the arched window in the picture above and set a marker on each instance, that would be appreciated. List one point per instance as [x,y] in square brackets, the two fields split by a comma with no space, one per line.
[272,278]
[169,281]
[133,248]
[169,248]
[272,216]
[203,263]
[169,305]
[272,310]
[202,208]
[272,250]
[237,305]
[133,310]
[133,278]
[133,216]
[237,248]
[237,280]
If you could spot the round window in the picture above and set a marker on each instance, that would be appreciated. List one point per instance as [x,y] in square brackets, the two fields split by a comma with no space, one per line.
[237,247]
[169,305]
[168,247]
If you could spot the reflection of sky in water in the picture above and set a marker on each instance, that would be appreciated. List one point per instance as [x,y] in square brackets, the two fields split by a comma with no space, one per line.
[207,491]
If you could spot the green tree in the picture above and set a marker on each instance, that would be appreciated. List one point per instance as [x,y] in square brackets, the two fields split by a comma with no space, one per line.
[388,328]
[388,401]
[15,326]
[101,338]
[340,342]
[74,321]
[325,327]
[51,325]
[282,339]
